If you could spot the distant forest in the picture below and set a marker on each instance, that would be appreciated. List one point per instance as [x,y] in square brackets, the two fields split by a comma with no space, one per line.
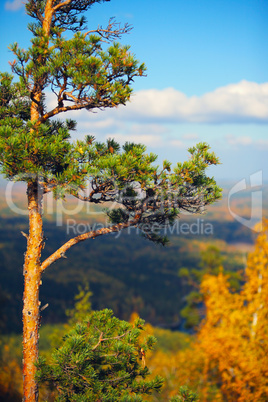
[127,274]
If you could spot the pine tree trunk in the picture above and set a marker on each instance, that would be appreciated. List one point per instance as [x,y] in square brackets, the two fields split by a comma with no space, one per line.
[31,304]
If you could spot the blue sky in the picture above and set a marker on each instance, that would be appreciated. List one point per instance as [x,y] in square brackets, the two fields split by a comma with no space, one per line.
[207,78]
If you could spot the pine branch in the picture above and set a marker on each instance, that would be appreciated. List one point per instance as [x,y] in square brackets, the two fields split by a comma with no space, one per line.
[99,341]
[60,253]
[128,375]
[61,5]
[81,104]
[112,32]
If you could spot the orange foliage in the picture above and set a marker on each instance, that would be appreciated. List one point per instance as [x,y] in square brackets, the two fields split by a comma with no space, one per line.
[185,367]
[10,377]
[227,361]
[234,335]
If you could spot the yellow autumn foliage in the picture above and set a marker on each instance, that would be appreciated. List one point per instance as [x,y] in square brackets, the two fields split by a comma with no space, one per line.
[227,361]
[10,376]
[234,335]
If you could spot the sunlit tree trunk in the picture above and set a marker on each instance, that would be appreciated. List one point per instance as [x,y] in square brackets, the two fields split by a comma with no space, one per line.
[32,281]
[32,264]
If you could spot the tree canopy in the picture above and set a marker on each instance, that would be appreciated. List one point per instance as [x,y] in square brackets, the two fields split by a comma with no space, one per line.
[83,69]
[145,194]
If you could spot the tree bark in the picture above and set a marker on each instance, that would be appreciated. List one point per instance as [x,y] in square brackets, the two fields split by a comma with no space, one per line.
[31,304]
[32,264]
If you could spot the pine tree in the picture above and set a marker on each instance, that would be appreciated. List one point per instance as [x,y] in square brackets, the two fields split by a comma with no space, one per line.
[103,358]
[86,71]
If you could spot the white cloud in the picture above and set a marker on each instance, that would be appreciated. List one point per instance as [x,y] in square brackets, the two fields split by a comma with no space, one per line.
[153,135]
[246,141]
[262,144]
[177,143]
[243,140]
[93,125]
[244,102]
[235,103]
[190,136]
[14,5]
[153,116]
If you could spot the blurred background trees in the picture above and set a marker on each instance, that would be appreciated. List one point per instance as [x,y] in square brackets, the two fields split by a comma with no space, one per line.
[224,360]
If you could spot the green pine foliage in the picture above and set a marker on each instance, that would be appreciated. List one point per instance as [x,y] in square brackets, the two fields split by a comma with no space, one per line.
[101,359]
[14,103]
[185,395]
[90,71]
[128,177]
